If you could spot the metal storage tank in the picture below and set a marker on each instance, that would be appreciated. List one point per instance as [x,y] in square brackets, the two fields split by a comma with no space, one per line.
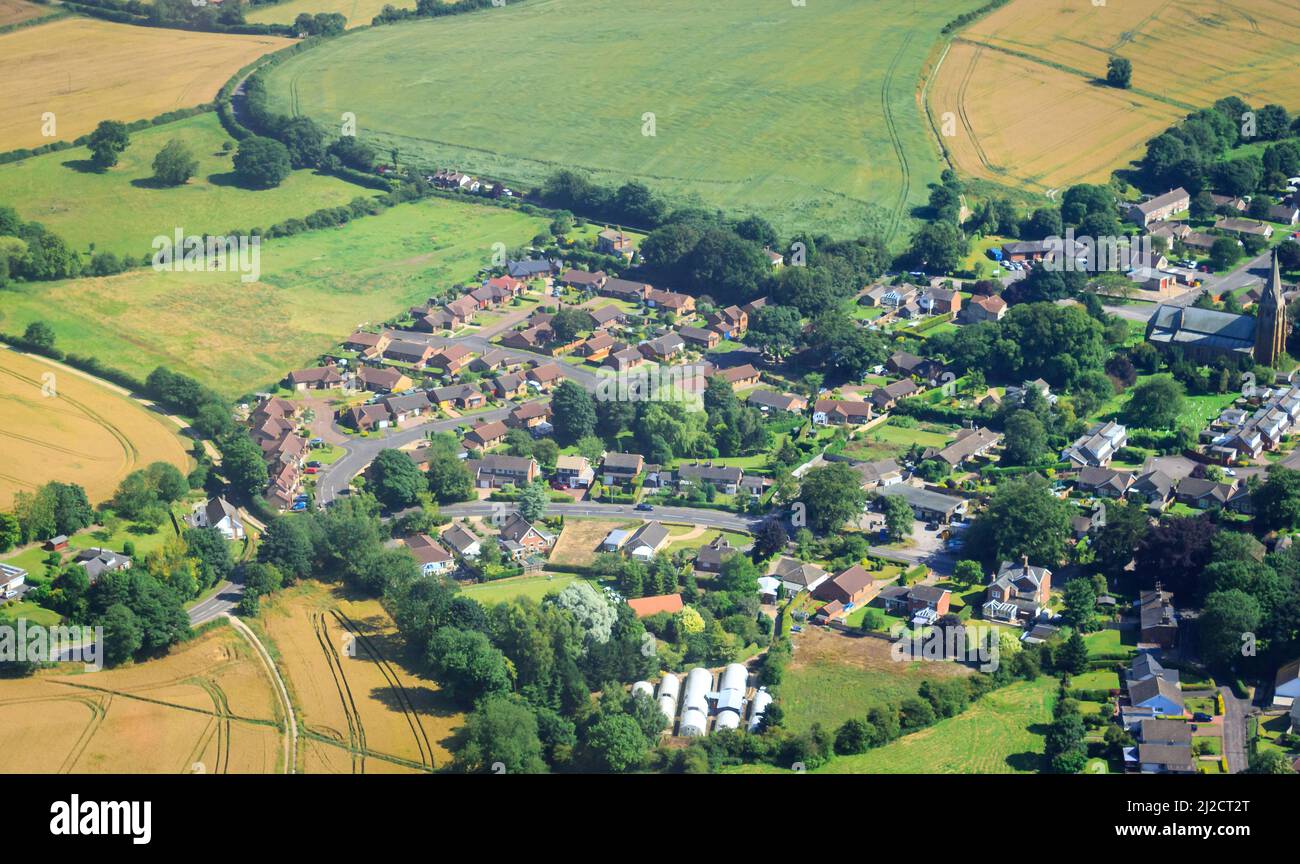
[727,720]
[734,677]
[645,688]
[669,687]
[757,706]
[695,702]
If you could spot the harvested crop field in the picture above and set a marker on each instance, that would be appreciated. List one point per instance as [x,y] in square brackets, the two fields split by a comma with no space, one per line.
[358,12]
[207,707]
[1065,124]
[361,709]
[122,72]
[83,432]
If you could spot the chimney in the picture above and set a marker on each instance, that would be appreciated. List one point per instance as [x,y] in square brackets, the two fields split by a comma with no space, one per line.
[1024,562]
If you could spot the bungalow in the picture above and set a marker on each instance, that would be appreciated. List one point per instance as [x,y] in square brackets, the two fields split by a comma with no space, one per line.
[664,348]
[520,531]
[699,337]
[621,467]
[531,268]
[367,418]
[1153,488]
[1199,241]
[838,412]
[529,415]
[496,471]
[985,308]
[680,304]
[710,557]
[220,514]
[606,316]
[926,505]
[644,542]
[1286,214]
[462,541]
[451,358]
[624,359]
[1286,684]
[623,289]
[969,444]
[769,400]
[532,338]
[486,435]
[361,341]
[462,309]
[403,408]
[583,280]
[740,376]
[1097,446]
[755,485]
[382,379]
[545,376]
[927,601]
[724,478]
[575,472]
[668,604]
[97,561]
[404,351]
[511,385]
[885,398]
[1204,494]
[1229,203]
[318,378]
[1026,250]
[1164,747]
[597,347]
[1160,208]
[434,560]
[797,575]
[852,587]
[11,579]
[883,472]
[906,365]
[465,397]
[1244,227]
[1104,482]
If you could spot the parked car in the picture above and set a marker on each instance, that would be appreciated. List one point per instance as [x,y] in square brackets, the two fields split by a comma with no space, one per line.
[1201,717]
[310,470]
[313,464]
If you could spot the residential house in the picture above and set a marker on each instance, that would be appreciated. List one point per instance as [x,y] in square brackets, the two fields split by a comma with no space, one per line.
[1203,493]
[520,531]
[885,398]
[663,348]
[1160,208]
[710,557]
[1152,690]
[624,359]
[1157,619]
[621,467]
[969,444]
[740,377]
[451,358]
[1104,482]
[940,301]
[835,411]
[852,587]
[1244,227]
[597,347]
[1097,446]
[367,418]
[575,472]
[433,558]
[611,242]
[511,385]
[1164,747]
[1153,488]
[416,354]
[924,604]
[679,304]
[606,316]
[985,308]
[220,514]
[644,542]
[531,268]
[883,472]
[493,360]
[1018,593]
[382,379]
[668,604]
[462,541]
[529,415]
[403,408]
[486,435]
[928,506]
[11,579]
[545,376]
[494,471]
[798,575]
[909,365]
[583,280]
[623,289]
[361,342]
[1286,214]
[317,378]
[97,561]
[700,338]
[729,323]
[724,478]
[1286,684]
[464,397]
[768,401]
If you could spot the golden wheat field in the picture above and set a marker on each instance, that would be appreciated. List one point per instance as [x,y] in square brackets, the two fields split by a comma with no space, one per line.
[361,710]
[1023,87]
[207,707]
[122,73]
[58,425]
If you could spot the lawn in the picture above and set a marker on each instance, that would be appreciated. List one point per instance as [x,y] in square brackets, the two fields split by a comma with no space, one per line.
[889,440]
[835,677]
[505,590]
[121,210]
[1105,643]
[808,116]
[1099,679]
[1197,410]
[314,289]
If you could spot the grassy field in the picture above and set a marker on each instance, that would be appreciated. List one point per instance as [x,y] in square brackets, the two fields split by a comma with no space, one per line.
[122,210]
[887,441]
[835,677]
[82,432]
[505,590]
[314,289]
[358,12]
[208,707]
[363,710]
[807,115]
[111,79]
[1067,126]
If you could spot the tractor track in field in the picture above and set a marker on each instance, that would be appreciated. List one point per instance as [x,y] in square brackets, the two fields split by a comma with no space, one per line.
[403,697]
[891,124]
[356,731]
[961,108]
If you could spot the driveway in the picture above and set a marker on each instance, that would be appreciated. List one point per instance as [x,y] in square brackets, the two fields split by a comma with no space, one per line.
[1234,730]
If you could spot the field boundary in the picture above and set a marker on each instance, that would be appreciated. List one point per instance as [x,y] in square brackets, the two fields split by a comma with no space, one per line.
[291,720]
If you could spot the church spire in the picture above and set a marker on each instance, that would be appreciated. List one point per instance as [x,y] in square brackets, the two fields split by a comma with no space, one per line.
[1270,323]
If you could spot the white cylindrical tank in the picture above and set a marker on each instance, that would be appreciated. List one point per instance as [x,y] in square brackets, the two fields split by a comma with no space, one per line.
[645,688]
[669,687]
[726,720]
[757,706]
[734,677]
[694,723]
[695,702]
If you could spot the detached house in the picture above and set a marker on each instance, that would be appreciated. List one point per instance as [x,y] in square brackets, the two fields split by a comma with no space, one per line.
[740,376]
[837,412]
[730,323]
[486,435]
[220,514]
[416,354]
[575,472]
[520,531]
[382,379]
[430,555]
[495,471]
[769,400]
[1018,593]
[885,398]
[724,478]
[664,348]
[1097,446]
[621,467]
[318,378]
